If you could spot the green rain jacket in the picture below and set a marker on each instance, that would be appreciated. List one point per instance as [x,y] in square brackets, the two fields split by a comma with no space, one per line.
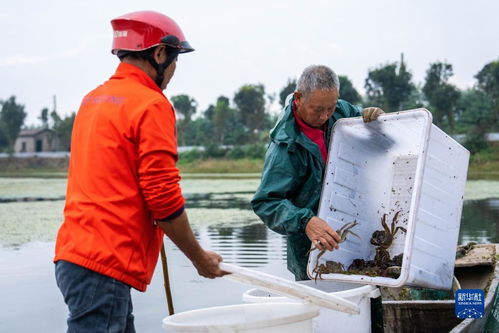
[289,192]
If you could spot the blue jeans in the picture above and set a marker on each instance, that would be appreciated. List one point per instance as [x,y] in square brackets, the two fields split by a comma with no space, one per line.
[96,303]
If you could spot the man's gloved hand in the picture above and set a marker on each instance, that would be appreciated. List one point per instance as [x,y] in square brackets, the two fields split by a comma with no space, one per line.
[371,113]
[322,236]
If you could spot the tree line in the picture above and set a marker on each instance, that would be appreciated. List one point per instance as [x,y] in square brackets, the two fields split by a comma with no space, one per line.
[473,111]
[13,115]
[245,119]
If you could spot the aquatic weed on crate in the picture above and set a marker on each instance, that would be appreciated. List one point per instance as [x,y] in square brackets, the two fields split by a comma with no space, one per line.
[401,180]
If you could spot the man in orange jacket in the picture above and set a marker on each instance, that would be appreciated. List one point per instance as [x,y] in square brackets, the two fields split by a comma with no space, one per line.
[123,189]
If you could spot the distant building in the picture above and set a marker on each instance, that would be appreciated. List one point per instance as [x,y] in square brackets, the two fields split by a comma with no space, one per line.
[36,140]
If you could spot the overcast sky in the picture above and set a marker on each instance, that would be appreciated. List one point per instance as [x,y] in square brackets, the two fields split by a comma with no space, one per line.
[62,47]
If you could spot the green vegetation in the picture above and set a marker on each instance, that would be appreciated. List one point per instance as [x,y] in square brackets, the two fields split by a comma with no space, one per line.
[234,131]
[390,86]
[62,128]
[243,121]
[12,117]
[289,88]
[34,173]
[224,166]
[485,164]
[347,90]
[442,95]
[24,222]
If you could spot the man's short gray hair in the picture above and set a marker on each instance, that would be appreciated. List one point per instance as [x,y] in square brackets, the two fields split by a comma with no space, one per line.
[317,77]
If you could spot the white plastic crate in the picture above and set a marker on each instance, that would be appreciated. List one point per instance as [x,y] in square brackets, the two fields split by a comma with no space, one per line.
[399,163]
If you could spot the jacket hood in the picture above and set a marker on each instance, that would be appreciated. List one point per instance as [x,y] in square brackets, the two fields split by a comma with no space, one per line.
[285,128]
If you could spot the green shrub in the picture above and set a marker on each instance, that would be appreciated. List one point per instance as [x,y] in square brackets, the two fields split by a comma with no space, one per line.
[254,151]
[214,151]
[475,140]
[236,153]
[191,156]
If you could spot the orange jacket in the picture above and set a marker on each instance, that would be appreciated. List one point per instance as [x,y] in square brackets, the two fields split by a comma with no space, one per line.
[122,177]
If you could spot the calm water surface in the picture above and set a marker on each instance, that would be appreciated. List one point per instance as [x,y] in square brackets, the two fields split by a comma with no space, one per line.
[222,221]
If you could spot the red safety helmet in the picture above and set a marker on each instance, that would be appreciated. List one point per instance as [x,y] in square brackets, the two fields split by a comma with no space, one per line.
[139,31]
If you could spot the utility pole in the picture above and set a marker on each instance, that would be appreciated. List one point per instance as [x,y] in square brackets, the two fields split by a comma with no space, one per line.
[54,145]
[402,65]
[54,102]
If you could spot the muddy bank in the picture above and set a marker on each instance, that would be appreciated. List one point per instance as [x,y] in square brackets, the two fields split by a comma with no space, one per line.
[35,162]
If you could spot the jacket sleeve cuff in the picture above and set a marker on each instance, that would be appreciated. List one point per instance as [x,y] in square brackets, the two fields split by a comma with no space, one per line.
[306,218]
[170,217]
[359,110]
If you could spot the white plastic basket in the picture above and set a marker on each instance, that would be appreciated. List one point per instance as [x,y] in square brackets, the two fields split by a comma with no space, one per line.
[343,322]
[399,163]
[245,318]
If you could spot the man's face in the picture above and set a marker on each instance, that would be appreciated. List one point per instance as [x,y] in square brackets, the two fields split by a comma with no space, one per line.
[316,108]
[168,74]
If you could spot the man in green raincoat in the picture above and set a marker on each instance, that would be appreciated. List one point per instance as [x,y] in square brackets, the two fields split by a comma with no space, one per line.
[288,197]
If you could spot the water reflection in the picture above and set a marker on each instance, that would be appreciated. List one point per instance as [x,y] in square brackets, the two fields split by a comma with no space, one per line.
[218,200]
[28,278]
[249,246]
[256,246]
[480,221]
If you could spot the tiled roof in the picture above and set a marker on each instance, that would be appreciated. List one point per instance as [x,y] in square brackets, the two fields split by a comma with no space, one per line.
[33,131]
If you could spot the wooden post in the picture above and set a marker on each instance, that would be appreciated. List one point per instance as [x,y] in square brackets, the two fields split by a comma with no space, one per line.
[168,291]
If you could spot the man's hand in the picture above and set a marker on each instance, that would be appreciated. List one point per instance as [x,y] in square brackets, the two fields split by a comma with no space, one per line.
[323,237]
[179,231]
[207,264]
[370,114]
